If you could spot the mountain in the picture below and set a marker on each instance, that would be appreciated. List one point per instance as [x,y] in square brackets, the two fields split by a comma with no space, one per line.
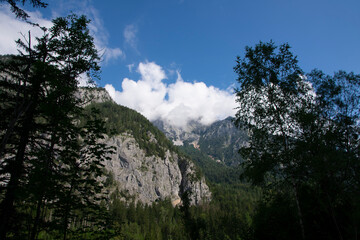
[145,165]
[220,141]
[189,133]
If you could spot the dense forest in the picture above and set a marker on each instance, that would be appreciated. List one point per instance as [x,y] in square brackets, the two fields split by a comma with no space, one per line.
[228,216]
[299,178]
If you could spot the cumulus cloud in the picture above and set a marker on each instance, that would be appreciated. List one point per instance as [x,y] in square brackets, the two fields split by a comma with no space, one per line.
[177,103]
[85,81]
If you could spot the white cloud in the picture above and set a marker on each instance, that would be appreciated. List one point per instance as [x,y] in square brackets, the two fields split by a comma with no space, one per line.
[151,73]
[177,103]
[130,32]
[101,36]
[130,67]
[85,81]
[13,29]
[109,54]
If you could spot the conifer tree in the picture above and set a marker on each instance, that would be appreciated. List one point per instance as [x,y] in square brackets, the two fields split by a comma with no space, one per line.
[46,154]
[19,12]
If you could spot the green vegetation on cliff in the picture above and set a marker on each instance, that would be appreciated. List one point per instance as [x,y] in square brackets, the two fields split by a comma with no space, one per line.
[215,172]
[120,119]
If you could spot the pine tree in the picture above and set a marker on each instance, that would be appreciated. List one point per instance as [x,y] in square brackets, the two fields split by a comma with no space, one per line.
[46,154]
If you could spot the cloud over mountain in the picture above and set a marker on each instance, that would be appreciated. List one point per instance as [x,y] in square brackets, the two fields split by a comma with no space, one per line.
[177,103]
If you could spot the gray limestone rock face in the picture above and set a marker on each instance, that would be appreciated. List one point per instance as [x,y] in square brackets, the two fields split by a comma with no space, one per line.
[193,183]
[92,95]
[151,178]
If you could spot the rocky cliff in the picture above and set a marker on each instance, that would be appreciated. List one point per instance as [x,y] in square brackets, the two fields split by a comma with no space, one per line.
[151,178]
[145,166]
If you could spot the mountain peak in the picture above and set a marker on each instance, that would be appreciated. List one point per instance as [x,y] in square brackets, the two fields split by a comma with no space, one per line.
[190,132]
[220,140]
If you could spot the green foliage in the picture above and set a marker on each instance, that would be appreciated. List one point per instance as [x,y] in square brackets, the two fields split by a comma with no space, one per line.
[120,119]
[136,221]
[50,160]
[20,13]
[304,145]
[228,216]
[213,171]
[275,217]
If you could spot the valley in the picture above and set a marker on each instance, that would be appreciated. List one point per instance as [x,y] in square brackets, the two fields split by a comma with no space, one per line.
[136,120]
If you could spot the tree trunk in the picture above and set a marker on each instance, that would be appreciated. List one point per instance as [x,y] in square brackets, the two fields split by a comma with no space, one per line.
[37,218]
[43,187]
[18,112]
[17,169]
[7,206]
[333,217]
[67,211]
[299,212]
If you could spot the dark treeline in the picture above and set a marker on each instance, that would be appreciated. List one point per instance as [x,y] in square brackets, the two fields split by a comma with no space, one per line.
[304,145]
[302,158]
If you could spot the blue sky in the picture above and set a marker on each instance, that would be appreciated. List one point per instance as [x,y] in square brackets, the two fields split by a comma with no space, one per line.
[202,38]
[198,40]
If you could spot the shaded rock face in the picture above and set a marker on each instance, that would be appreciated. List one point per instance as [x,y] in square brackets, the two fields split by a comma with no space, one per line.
[151,178]
[193,184]
[221,140]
